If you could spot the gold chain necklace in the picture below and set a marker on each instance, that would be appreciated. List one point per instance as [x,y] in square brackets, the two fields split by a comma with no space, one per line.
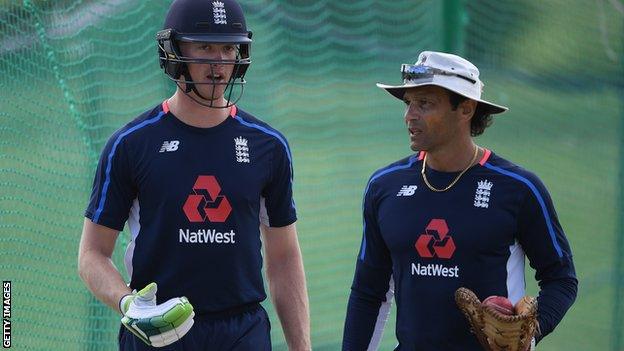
[424,176]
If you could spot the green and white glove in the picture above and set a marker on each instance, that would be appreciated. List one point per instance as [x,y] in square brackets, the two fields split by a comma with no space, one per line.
[157,325]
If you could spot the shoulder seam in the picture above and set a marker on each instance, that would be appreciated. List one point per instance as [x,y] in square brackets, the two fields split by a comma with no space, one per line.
[151,115]
[539,198]
[410,161]
[389,169]
[267,130]
[111,154]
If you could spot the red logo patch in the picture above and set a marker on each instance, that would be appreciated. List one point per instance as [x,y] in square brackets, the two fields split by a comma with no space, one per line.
[436,241]
[205,204]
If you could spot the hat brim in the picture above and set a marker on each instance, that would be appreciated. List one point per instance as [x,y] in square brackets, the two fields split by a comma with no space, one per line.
[399,90]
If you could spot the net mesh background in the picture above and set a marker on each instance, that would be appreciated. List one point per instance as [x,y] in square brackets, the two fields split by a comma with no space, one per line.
[72,72]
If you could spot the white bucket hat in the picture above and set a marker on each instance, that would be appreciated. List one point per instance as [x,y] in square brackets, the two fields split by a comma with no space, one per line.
[444,70]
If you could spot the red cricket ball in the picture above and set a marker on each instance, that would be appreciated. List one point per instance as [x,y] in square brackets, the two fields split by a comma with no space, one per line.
[500,303]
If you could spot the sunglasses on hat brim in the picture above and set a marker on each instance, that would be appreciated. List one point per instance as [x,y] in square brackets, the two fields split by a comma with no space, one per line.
[416,72]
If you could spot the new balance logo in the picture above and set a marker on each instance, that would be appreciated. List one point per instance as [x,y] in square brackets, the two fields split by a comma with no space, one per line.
[407,190]
[482,194]
[169,146]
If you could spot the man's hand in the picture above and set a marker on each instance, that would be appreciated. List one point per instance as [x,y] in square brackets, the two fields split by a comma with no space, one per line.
[497,331]
[156,325]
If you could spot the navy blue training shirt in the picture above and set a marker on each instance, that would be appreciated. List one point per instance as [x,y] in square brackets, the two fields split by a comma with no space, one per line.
[421,246]
[194,199]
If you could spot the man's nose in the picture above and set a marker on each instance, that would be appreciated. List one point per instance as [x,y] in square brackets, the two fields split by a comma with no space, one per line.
[216,55]
[411,113]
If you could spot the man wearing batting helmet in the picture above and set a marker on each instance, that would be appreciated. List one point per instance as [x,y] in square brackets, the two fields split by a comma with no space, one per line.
[453,214]
[199,181]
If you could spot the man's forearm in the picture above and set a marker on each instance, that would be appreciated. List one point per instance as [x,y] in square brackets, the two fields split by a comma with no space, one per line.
[290,298]
[554,300]
[102,278]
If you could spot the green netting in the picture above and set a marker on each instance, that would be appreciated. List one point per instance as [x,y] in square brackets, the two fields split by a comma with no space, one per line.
[74,71]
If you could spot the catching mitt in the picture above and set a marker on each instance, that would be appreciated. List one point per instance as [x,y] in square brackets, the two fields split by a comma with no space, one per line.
[497,331]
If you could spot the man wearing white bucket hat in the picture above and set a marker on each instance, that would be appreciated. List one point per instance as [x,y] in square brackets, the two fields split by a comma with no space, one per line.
[451,215]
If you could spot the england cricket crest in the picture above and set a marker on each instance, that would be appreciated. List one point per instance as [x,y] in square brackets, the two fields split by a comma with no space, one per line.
[218,10]
[482,195]
[241,149]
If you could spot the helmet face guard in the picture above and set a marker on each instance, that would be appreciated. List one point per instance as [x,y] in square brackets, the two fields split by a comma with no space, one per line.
[218,22]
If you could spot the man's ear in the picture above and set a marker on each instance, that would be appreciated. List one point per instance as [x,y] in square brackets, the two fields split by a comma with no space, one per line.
[467,108]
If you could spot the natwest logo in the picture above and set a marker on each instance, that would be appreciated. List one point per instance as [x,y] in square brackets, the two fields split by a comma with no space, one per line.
[436,241]
[206,203]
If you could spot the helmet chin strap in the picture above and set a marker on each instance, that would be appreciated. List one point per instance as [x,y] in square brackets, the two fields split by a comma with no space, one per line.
[191,86]
[229,102]
[187,93]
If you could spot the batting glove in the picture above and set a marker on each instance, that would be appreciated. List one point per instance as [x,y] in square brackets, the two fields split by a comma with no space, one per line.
[156,325]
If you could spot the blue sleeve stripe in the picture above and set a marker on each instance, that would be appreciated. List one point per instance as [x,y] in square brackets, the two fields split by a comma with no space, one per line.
[409,164]
[111,154]
[363,248]
[279,137]
[551,231]
[270,132]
